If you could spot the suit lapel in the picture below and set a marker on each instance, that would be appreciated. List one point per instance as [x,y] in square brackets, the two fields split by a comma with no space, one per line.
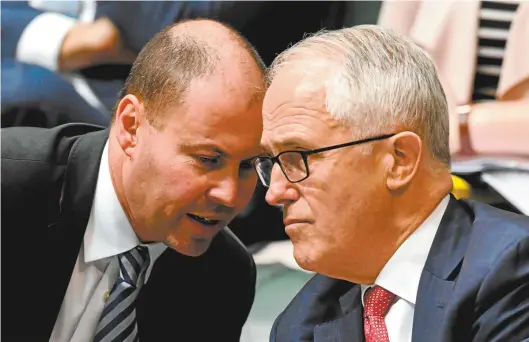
[348,328]
[440,272]
[433,296]
[66,235]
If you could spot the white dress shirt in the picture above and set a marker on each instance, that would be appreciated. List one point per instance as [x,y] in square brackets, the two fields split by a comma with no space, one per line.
[108,234]
[402,273]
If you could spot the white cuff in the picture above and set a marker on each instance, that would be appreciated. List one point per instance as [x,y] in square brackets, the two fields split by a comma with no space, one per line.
[88,12]
[41,41]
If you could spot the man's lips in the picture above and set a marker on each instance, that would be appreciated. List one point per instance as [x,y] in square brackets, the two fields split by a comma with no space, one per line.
[288,221]
[208,221]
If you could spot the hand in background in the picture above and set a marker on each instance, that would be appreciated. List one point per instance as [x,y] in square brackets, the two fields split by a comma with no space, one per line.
[500,127]
[88,44]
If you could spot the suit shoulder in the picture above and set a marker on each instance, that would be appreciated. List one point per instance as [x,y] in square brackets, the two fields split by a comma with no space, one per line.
[226,247]
[316,302]
[41,145]
[496,227]
[494,235]
[318,287]
[33,165]
[233,269]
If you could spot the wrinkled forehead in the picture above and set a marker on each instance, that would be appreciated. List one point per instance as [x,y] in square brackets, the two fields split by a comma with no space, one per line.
[293,84]
[294,112]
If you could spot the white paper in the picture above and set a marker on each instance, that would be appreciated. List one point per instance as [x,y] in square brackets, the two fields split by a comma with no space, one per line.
[278,252]
[489,163]
[511,185]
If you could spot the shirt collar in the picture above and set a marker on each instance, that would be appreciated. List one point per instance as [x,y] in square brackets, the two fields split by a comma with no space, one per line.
[402,272]
[109,231]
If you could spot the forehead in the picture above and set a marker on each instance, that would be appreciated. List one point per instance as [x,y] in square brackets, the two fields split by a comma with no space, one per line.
[222,113]
[292,84]
[294,111]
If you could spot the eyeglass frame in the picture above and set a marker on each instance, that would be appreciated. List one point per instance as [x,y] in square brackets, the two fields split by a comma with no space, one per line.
[306,153]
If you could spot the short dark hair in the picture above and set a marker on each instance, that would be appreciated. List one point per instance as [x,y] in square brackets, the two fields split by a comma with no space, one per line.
[168,63]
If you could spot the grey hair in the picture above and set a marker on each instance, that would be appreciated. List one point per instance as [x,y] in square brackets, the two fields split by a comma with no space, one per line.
[376,81]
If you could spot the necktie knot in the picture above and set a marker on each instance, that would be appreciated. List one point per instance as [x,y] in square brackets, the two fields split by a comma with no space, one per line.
[133,263]
[378,301]
[118,319]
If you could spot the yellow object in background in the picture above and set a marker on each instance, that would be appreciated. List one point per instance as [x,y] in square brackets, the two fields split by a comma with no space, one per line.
[461,188]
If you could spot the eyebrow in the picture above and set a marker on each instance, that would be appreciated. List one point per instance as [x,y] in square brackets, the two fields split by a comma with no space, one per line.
[284,144]
[214,149]
[205,147]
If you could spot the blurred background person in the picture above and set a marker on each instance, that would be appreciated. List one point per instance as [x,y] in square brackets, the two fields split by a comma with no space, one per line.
[480,49]
[91,44]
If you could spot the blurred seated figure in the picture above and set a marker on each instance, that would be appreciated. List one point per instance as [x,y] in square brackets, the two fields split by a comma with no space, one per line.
[36,92]
[127,26]
[91,44]
[480,49]
[35,96]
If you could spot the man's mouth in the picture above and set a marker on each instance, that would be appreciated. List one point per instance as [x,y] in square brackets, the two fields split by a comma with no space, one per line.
[203,220]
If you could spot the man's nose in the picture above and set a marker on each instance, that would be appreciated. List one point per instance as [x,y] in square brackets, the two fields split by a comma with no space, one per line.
[225,191]
[280,190]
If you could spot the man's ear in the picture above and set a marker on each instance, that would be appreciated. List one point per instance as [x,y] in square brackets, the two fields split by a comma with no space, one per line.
[128,116]
[405,150]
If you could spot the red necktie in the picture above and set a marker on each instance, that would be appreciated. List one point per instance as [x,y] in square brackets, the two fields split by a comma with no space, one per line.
[377,301]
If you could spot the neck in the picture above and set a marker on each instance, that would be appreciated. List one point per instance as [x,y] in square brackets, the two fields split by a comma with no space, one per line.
[406,213]
[409,213]
[115,163]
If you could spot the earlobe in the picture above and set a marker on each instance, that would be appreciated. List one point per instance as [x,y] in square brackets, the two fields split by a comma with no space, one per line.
[406,152]
[127,122]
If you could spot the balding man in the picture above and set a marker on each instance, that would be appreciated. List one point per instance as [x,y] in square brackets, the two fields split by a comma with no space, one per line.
[356,129]
[121,234]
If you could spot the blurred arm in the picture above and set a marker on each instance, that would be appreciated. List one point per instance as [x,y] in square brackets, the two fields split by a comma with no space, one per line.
[58,42]
[500,127]
[398,15]
[88,44]
[40,42]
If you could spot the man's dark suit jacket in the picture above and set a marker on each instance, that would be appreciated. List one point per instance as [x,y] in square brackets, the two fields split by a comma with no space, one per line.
[474,287]
[48,182]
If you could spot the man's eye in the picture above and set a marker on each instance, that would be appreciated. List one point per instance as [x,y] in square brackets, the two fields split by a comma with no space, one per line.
[209,160]
[246,165]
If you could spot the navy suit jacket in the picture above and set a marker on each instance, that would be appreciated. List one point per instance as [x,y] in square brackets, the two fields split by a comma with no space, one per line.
[474,287]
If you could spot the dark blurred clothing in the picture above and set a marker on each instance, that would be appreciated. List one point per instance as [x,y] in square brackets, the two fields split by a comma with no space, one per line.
[269,25]
[35,96]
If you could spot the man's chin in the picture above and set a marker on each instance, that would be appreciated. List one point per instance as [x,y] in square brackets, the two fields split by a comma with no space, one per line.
[305,256]
[192,247]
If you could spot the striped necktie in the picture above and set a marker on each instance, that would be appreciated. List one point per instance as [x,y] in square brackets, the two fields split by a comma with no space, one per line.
[118,320]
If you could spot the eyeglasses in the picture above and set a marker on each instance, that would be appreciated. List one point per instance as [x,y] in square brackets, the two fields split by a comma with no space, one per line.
[294,163]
